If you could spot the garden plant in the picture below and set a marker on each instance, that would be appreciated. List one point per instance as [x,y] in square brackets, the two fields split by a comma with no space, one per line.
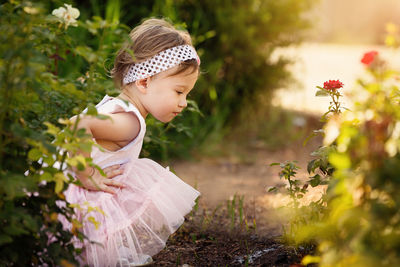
[356,221]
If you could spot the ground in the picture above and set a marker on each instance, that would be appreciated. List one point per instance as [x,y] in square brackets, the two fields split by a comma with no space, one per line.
[222,230]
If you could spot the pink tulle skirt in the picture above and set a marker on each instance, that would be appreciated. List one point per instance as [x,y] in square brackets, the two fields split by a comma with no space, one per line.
[136,222]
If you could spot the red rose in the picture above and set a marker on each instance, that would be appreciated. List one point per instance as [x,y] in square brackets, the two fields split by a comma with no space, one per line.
[369,57]
[333,85]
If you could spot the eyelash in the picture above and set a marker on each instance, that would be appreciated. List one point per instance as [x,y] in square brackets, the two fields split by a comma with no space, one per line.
[179,93]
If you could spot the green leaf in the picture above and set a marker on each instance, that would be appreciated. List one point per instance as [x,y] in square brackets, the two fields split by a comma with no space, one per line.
[213,94]
[102,117]
[113,11]
[315,180]
[310,166]
[14,185]
[46,177]
[340,160]
[91,110]
[49,160]
[52,129]
[60,179]
[321,93]
[34,154]
[272,189]
[87,53]
[310,259]
[15,229]
[87,147]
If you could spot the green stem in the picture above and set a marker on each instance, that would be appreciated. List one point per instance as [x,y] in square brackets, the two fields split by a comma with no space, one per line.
[336,109]
[64,155]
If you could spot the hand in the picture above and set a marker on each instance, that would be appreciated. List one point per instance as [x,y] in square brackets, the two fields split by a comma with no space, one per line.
[97,182]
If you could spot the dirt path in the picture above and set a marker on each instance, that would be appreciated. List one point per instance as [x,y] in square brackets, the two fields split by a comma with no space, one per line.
[218,179]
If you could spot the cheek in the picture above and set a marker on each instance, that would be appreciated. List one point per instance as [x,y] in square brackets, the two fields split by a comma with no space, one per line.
[165,101]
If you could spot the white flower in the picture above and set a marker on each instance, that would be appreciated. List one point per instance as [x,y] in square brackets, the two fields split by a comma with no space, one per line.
[68,15]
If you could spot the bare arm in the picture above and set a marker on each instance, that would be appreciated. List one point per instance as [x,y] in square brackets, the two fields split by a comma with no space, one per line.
[121,127]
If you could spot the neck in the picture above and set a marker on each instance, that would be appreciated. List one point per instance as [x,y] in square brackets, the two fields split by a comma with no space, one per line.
[134,100]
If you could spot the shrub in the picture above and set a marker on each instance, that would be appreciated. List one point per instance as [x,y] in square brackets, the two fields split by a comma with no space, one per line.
[361,226]
[41,80]
[358,218]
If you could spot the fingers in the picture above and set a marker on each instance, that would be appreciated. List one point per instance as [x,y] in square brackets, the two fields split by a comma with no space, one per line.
[112,167]
[114,183]
[113,170]
[107,189]
[114,173]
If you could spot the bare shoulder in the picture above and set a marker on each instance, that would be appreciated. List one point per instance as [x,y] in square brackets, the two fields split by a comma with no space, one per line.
[121,126]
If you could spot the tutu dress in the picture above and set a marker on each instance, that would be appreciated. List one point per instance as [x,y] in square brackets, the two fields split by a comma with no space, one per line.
[139,218]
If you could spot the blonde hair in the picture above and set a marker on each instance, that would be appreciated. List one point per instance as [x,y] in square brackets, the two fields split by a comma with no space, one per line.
[146,40]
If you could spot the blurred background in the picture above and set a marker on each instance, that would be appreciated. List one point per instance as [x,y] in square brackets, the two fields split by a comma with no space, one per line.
[341,33]
[352,22]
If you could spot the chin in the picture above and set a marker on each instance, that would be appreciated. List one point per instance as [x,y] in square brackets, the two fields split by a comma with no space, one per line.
[165,120]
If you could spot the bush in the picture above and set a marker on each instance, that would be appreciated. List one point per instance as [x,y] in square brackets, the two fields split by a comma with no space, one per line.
[361,223]
[356,222]
[41,80]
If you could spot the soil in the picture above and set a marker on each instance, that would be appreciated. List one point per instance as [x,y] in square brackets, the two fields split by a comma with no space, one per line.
[220,245]
[214,236]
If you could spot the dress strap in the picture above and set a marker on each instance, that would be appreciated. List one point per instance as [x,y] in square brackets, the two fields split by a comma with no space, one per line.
[128,106]
[112,104]
[105,99]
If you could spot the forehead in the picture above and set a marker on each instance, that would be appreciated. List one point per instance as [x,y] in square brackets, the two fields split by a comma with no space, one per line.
[187,76]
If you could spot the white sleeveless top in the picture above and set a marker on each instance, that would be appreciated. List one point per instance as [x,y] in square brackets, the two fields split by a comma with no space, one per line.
[104,157]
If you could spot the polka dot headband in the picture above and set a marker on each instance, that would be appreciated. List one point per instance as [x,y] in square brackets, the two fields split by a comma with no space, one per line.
[162,61]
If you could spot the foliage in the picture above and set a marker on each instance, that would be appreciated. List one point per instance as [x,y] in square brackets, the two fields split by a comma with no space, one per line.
[288,172]
[361,225]
[358,224]
[299,213]
[41,68]
[319,169]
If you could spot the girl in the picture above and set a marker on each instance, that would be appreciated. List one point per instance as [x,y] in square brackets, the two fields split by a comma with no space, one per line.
[143,203]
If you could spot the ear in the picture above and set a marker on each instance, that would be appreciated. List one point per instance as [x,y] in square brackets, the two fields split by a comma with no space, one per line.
[142,84]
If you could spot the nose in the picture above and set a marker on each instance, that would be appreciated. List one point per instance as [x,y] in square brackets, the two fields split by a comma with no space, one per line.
[183,102]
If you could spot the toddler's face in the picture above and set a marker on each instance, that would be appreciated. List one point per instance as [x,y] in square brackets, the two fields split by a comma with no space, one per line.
[166,95]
